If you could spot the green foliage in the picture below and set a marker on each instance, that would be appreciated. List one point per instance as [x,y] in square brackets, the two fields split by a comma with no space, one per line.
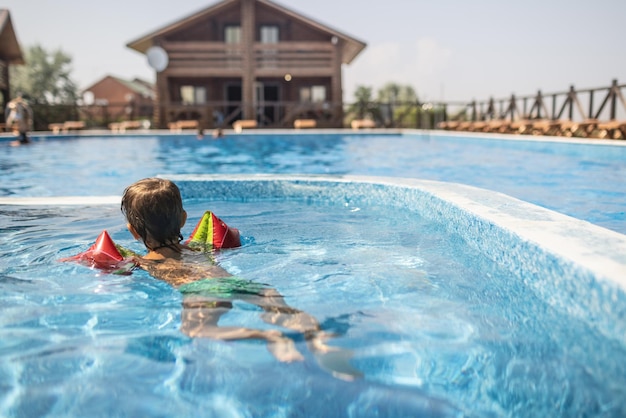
[395,105]
[45,79]
[364,105]
[399,105]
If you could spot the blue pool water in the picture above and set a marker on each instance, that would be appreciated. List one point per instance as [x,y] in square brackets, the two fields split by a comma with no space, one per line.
[434,324]
[436,328]
[580,180]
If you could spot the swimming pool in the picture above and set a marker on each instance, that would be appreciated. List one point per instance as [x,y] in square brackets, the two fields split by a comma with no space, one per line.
[454,300]
[583,179]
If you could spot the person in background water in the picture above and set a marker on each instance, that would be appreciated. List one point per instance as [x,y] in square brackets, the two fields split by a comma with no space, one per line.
[19,117]
[218,117]
[154,212]
[218,133]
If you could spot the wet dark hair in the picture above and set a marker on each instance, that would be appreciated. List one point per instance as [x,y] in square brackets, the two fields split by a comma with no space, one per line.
[154,208]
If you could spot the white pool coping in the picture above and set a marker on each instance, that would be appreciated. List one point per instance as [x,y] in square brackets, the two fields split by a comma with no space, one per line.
[61,201]
[601,251]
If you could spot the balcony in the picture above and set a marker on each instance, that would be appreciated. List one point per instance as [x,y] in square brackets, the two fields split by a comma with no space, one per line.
[214,59]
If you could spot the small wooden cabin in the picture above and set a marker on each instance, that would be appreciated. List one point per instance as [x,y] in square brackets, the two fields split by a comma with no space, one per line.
[10,54]
[249,60]
[113,99]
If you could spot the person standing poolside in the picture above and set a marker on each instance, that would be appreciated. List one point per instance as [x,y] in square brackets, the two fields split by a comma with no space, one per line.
[154,213]
[19,117]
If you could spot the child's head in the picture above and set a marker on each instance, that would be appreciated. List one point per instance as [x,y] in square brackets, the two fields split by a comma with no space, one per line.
[154,211]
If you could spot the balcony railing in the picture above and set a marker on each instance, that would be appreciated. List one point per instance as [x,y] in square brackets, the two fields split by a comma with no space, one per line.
[215,57]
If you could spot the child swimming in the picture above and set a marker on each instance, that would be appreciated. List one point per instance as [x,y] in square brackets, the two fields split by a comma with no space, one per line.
[154,213]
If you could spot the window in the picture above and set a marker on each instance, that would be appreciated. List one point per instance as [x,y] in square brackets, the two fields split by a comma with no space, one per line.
[269,34]
[313,94]
[192,95]
[305,94]
[232,34]
[318,94]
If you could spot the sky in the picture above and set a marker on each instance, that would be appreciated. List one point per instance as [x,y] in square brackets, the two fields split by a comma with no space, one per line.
[447,50]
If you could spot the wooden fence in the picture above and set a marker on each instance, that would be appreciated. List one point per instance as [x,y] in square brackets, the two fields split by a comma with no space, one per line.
[590,112]
[593,112]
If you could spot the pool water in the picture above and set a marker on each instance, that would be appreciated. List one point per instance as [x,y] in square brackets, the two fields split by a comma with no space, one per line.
[433,324]
[581,180]
[435,328]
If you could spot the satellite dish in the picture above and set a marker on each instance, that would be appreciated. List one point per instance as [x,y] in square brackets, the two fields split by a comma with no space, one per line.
[157,58]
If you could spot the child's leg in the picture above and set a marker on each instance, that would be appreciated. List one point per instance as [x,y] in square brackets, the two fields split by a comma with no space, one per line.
[200,318]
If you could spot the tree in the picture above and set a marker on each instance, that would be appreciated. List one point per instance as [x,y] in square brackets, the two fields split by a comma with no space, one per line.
[45,79]
[394,93]
[364,105]
[398,104]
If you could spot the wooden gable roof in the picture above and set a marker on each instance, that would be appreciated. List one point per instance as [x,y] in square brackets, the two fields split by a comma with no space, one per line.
[351,49]
[10,50]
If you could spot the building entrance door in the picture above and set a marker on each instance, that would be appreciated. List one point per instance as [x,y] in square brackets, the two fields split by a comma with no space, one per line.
[266,98]
[234,105]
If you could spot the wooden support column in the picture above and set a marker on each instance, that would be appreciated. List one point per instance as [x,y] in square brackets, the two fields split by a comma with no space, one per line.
[336,86]
[247,40]
[161,102]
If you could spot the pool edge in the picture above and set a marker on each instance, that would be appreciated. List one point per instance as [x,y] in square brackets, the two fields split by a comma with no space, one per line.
[587,245]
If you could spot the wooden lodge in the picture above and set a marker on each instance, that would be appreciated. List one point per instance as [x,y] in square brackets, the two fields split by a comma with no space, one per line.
[248,60]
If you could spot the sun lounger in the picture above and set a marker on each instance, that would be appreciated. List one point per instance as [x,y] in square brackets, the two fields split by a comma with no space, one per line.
[242,124]
[452,125]
[362,123]
[586,128]
[304,123]
[449,125]
[541,127]
[614,129]
[121,127]
[55,127]
[522,126]
[499,126]
[562,128]
[478,126]
[179,125]
[70,125]
[464,126]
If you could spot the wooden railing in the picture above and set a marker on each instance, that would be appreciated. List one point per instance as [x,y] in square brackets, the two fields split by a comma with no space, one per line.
[597,112]
[294,56]
[593,112]
[601,103]
[213,58]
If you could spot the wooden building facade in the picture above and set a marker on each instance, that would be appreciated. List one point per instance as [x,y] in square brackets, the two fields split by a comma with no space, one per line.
[252,60]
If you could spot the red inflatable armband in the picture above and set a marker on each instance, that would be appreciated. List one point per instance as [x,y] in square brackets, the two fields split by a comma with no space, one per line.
[212,233]
[104,255]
